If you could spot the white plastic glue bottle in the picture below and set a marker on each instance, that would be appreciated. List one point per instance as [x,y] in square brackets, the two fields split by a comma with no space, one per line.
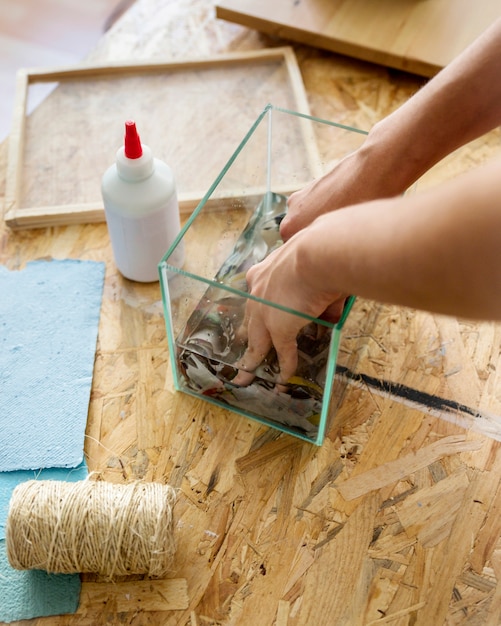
[141,208]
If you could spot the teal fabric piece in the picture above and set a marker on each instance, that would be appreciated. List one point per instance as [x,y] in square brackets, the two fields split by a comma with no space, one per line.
[49,318]
[33,593]
[10,480]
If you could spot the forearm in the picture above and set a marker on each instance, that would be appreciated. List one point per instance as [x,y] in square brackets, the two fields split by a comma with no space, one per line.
[439,250]
[460,104]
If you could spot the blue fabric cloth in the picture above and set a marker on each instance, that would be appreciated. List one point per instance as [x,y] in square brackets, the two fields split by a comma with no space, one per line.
[49,317]
[33,593]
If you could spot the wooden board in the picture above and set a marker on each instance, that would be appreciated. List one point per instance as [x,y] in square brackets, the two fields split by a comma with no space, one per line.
[416,36]
[73,136]
[396,519]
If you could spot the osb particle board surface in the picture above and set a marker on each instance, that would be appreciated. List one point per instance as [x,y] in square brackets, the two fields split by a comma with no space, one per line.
[412,35]
[265,534]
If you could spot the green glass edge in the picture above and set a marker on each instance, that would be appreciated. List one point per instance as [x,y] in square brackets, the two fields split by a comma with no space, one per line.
[169,326]
[164,267]
[212,188]
[329,384]
[248,296]
[318,119]
[179,387]
[252,416]
[203,201]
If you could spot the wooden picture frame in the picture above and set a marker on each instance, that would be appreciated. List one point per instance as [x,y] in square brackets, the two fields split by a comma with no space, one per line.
[34,136]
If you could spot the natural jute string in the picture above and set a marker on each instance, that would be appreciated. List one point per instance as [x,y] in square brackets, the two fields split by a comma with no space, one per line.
[91,526]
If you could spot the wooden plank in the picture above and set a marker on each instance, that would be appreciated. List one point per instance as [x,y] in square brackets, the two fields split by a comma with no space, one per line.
[93,212]
[16,144]
[393,471]
[154,595]
[321,597]
[419,37]
[429,513]
[93,70]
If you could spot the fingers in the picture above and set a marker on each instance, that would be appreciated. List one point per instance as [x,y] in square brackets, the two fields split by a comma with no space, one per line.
[294,219]
[287,358]
[259,344]
[243,378]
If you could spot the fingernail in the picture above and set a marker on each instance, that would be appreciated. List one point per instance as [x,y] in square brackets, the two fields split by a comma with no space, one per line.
[243,379]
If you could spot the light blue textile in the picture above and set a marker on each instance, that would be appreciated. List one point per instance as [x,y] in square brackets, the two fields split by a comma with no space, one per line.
[28,594]
[49,317]
[10,480]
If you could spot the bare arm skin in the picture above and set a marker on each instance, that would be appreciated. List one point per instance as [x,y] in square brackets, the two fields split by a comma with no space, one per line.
[352,232]
[439,250]
[458,105]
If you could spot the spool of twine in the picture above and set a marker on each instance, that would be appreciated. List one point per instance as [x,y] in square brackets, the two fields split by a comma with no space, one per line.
[91,526]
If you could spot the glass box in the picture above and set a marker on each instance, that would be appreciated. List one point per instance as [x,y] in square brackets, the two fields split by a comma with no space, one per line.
[235,226]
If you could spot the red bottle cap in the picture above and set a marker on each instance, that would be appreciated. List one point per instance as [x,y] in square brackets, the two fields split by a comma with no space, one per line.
[133,149]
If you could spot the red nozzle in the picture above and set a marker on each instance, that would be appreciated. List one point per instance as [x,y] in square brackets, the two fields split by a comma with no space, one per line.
[133,149]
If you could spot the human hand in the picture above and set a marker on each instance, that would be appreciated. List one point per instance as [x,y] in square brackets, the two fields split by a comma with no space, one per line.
[345,184]
[279,279]
[375,170]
